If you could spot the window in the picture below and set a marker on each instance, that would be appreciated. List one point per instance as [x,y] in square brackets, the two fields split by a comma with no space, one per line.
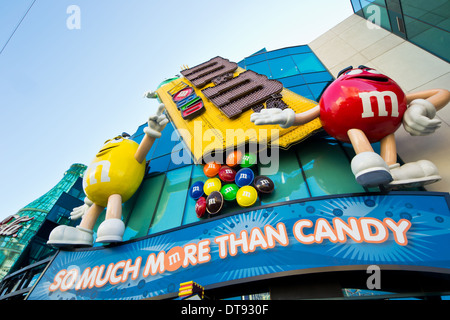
[262,68]
[144,208]
[327,167]
[288,180]
[283,67]
[170,208]
[308,62]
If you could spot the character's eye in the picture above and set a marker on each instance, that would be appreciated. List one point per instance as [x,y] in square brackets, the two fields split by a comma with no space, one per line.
[373,71]
[353,72]
[117,140]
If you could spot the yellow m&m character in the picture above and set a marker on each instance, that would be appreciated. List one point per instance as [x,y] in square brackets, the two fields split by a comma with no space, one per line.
[111,179]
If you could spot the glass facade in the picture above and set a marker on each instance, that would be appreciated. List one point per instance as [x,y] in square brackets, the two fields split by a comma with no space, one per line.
[424,23]
[297,68]
[28,245]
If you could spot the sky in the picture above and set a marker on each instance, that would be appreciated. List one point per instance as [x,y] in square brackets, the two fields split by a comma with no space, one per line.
[65,90]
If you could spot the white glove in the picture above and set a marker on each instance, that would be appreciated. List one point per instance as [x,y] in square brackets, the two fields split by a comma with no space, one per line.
[150,95]
[418,118]
[285,118]
[80,211]
[156,123]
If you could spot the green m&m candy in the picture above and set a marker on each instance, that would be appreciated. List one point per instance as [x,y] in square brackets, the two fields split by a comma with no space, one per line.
[248,160]
[229,191]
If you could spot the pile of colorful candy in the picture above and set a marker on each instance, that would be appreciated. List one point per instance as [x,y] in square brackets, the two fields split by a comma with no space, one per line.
[233,181]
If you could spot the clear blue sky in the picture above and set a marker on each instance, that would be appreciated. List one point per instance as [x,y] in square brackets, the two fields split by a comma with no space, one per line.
[64,92]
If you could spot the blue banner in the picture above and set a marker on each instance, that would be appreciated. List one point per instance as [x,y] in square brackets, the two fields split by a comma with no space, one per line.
[407,231]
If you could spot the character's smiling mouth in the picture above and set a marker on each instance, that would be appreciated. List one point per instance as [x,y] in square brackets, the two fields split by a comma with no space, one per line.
[103,151]
[373,78]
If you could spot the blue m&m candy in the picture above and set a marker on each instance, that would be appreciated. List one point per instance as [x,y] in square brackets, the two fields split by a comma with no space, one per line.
[196,190]
[244,177]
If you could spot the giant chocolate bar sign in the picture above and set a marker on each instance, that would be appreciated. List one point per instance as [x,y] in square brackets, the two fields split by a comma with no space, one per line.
[231,95]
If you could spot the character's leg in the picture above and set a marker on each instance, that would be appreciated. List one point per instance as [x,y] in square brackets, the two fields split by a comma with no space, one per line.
[112,229]
[369,168]
[388,149]
[80,236]
[413,174]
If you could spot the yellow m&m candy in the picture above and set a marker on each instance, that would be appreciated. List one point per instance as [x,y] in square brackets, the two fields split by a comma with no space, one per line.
[246,196]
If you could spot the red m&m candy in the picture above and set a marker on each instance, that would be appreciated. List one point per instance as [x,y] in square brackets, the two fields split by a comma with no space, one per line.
[226,174]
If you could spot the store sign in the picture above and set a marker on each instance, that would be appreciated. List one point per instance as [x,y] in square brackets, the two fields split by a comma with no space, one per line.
[396,231]
[11,225]
[212,103]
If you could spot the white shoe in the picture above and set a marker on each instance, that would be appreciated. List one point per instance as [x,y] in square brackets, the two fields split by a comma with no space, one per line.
[414,174]
[110,230]
[67,237]
[370,169]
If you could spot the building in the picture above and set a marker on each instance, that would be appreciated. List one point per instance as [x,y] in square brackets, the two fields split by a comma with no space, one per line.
[24,235]
[318,234]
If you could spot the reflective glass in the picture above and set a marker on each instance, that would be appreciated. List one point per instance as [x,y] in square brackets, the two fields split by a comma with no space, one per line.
[435,40]
[144,207]
[283,67]
[317,89]
[356,5]
[159,165]
[292,81]
[288,180]
[277,53]
[189,209]
[435,13]
[165,142]
[303,91]
[327,168]
[255,59]
[376,12]
[308,62]
[169,213]
[299,49]
[317,77]
[261,68]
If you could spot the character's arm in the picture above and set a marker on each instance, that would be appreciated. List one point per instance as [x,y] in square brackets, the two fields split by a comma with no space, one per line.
[156,124]
[285,118]
[419,117]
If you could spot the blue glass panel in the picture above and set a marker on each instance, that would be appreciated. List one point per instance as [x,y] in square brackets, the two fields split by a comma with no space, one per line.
[356,5]
[288,180]
[189,209]
[144,207]
[139,130]
[299,49]
[278,53]
[308,62]
[159,165]
[317,77]
[261,68]
[292,81]
[317,89]
[255,59]
[169,213]
[303,91]
[165,142]
[327,168]
[283,67]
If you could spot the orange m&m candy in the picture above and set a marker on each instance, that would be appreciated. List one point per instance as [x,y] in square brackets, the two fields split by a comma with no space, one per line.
[234,158]
[211,169]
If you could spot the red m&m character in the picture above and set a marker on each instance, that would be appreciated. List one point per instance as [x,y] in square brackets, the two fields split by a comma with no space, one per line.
[363,106]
